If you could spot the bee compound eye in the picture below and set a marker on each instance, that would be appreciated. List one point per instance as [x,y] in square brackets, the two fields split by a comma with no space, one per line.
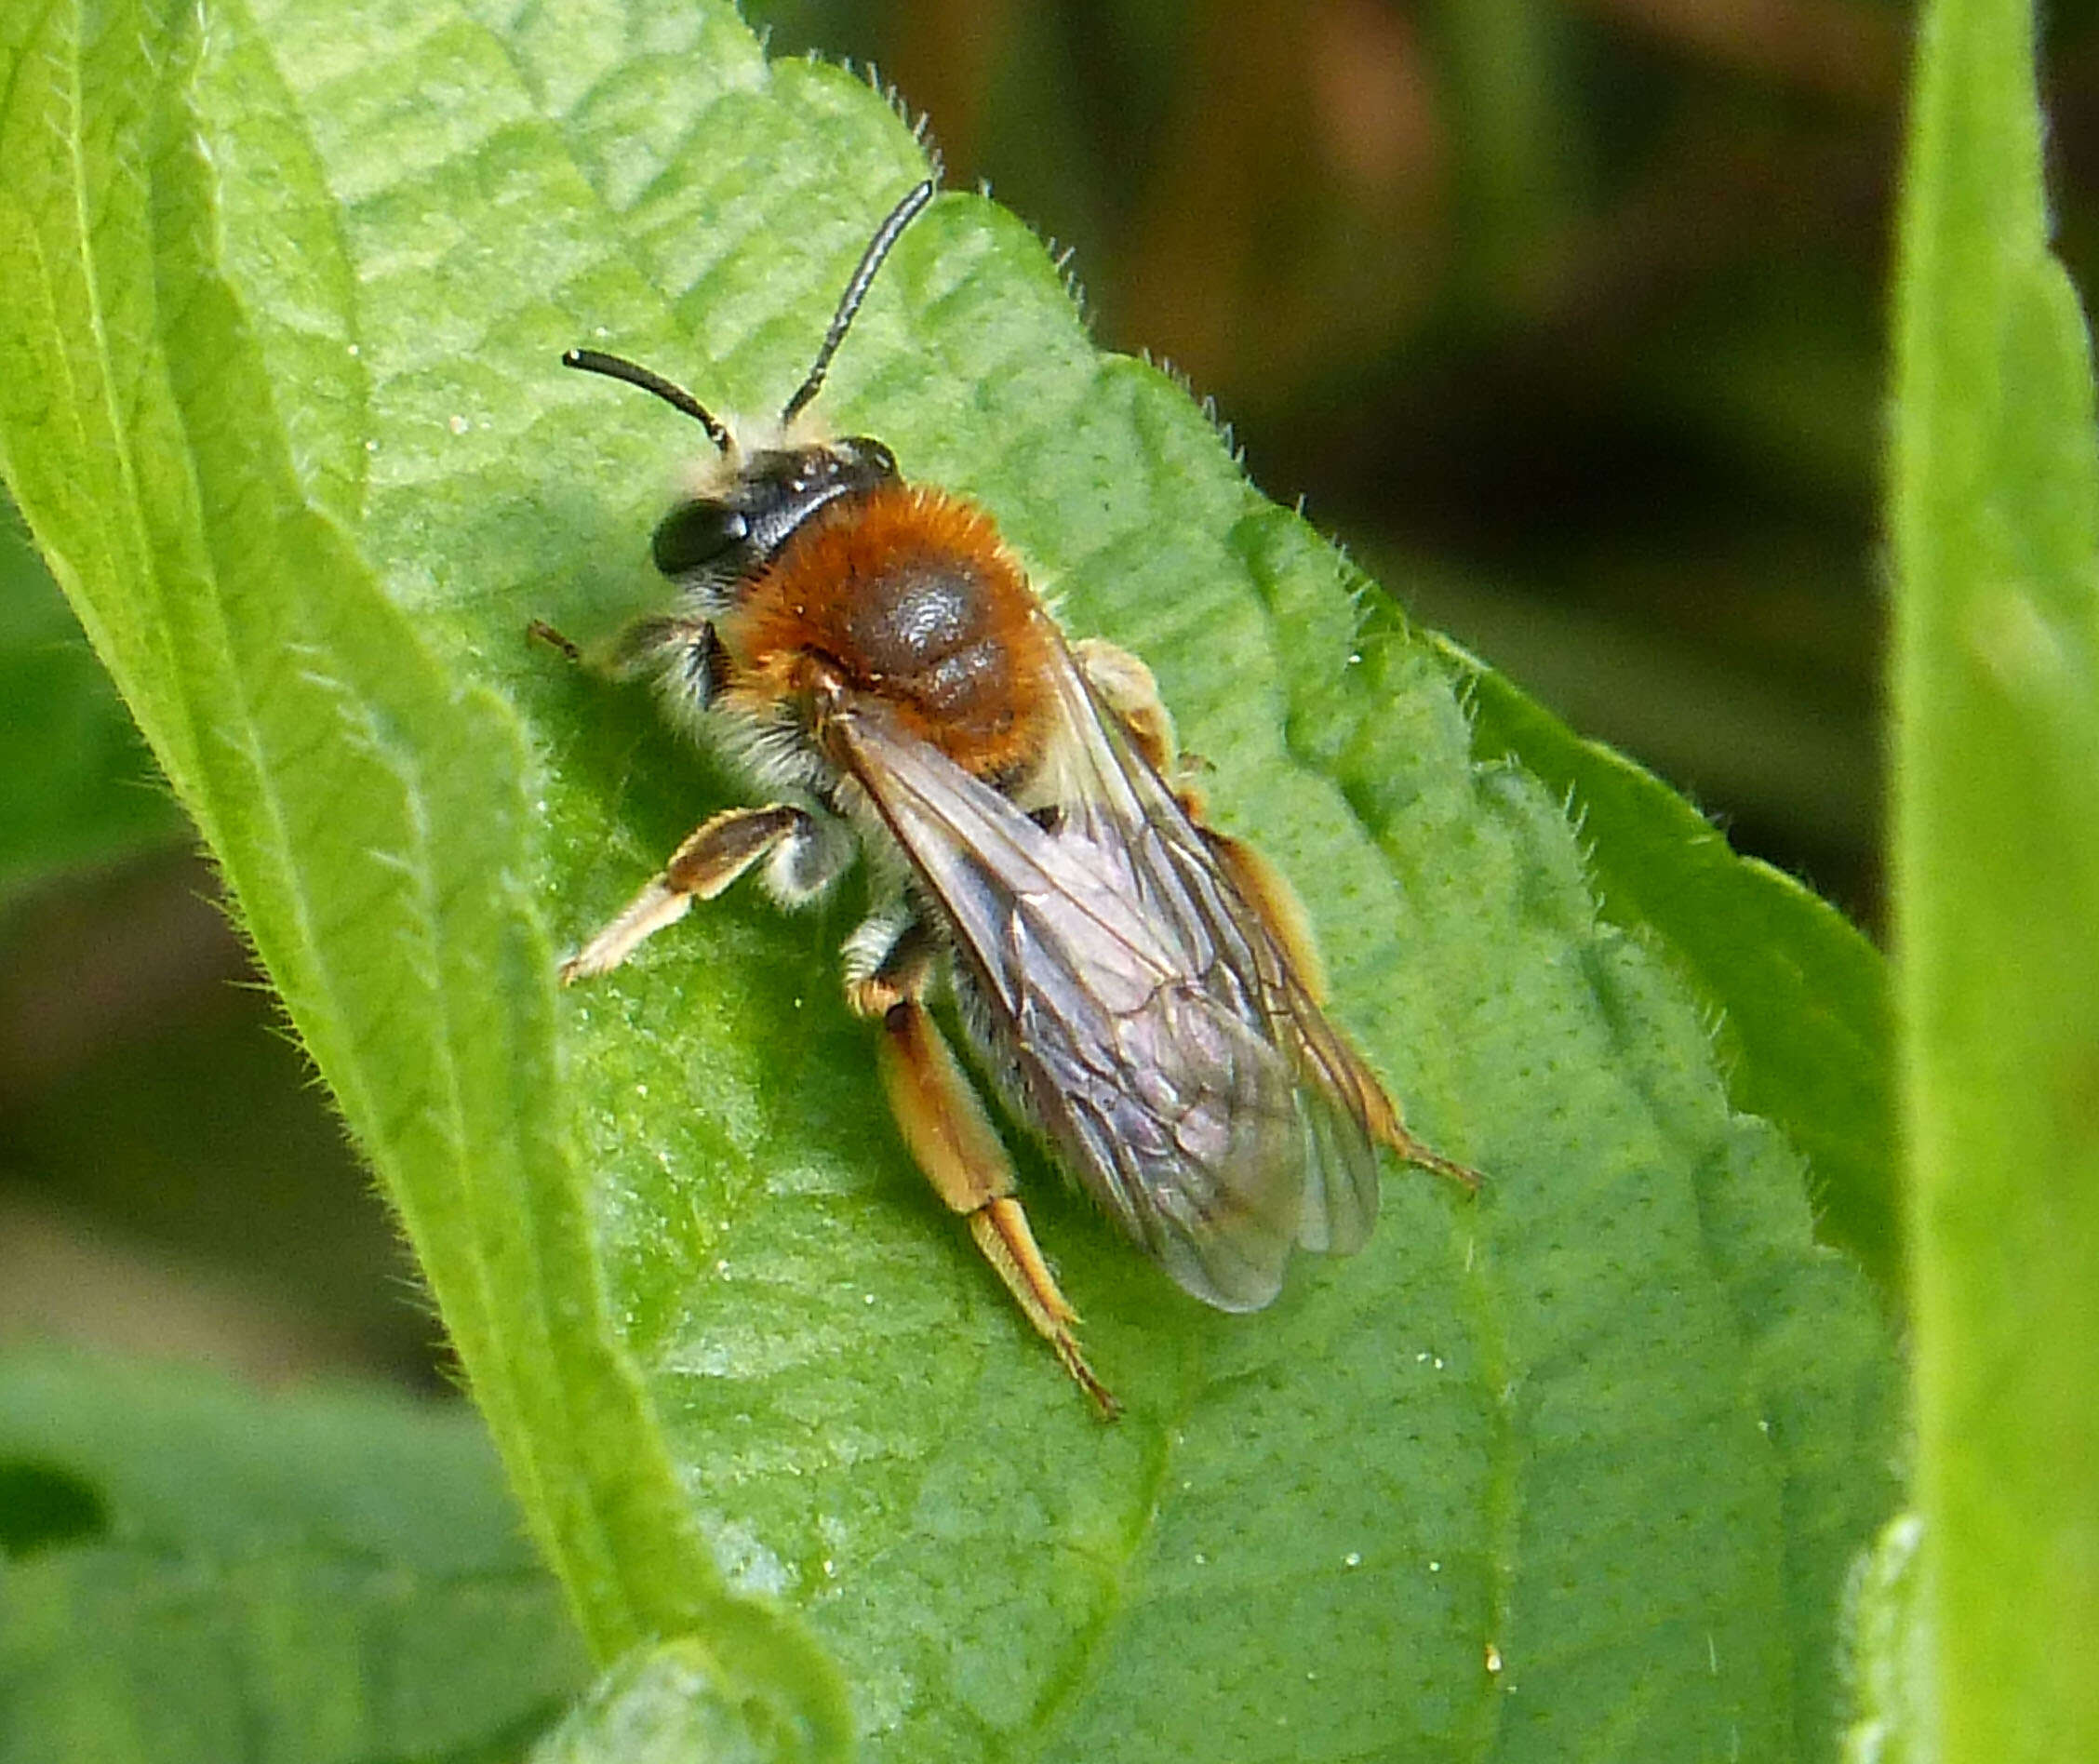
[696,534]
[872,456]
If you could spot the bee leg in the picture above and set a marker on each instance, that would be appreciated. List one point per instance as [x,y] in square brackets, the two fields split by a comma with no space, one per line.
[539,630]
[1422,1156]
[1274,903]
[711,858]
[683,654]
[1126,687]
[954,1144]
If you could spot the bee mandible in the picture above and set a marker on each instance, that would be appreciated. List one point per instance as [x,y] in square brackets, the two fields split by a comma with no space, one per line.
[868,654]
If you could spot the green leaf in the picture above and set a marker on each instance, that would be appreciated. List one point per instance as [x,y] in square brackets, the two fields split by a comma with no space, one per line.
[77,786]
[1574,1467]
[1798,997]
[197,1573]
[369,808]
[1887,1618]
[1994,518]
[659,1705]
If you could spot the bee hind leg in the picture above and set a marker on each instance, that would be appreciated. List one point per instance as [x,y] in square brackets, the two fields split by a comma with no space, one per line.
[1276,904]
[1424,1157]
[954,1143]
[713,856]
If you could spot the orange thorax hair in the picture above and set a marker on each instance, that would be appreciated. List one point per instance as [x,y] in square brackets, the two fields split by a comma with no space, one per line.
[910,595]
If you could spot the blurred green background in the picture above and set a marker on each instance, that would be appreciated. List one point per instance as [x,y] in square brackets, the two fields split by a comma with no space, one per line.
[1566,317]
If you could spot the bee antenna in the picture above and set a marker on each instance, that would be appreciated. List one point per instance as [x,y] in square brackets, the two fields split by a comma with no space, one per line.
[593,361]
[878,247]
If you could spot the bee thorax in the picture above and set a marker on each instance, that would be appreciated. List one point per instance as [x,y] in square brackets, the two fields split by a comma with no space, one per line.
[908,595]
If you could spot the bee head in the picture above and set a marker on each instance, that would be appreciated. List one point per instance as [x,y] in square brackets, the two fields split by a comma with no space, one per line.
[731,532]
[750,507]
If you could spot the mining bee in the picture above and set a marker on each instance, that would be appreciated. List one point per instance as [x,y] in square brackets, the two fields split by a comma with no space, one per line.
[868,654]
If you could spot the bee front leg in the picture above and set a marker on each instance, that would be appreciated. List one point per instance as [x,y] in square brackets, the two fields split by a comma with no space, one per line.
[957,1147]
[539,630]
[713,857]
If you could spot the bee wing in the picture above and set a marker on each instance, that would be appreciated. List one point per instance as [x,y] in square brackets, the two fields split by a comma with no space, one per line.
[1160,1033]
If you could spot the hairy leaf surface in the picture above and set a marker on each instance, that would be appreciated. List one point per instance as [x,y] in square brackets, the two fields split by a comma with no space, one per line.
[1572,1470]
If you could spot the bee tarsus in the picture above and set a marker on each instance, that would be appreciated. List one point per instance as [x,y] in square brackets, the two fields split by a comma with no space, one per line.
[953,1142]
[539,630]
[713,856]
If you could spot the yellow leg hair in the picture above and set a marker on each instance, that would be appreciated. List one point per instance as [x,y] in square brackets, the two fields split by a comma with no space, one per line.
[713,856]
[953,1142]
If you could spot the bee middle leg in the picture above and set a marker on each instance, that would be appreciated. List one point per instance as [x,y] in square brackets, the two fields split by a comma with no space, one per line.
[954,1143]
[713,856]
[1126,688]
